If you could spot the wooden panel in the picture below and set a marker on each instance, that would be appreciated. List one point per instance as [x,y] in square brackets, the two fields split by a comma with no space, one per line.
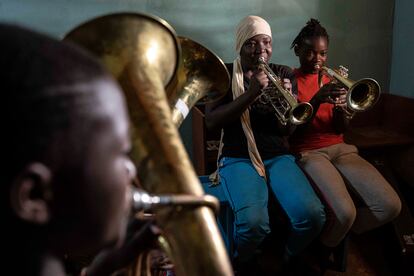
[205,144]
[390,122]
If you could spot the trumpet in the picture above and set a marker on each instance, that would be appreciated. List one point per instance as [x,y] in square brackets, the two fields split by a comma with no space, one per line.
[286,107]
[362,94]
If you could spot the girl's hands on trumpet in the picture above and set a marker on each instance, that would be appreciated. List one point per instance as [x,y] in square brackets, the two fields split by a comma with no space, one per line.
[332,93]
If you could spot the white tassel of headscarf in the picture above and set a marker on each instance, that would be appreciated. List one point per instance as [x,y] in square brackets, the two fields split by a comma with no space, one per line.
[238,89]
[248,27]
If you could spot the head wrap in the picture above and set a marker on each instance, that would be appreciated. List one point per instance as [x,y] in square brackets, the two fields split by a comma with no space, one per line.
[249,27]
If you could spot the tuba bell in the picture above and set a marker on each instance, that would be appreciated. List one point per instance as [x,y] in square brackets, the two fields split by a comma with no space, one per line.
[362,94]
[202,77]
[142,53]
[286,107]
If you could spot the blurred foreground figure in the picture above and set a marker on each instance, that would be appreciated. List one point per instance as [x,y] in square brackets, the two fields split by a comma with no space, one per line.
[64,176]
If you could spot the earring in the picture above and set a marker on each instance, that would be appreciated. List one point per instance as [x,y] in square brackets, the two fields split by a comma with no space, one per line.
[131,169]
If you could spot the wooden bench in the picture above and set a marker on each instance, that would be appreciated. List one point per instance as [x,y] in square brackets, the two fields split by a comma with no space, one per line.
[385,137]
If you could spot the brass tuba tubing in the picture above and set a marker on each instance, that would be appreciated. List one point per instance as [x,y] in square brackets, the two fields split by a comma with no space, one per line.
[362,94]
[143,201]
[287,109]
[142,53]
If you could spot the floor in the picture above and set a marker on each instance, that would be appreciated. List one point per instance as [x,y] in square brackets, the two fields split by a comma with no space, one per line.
[366,257]
[370,254]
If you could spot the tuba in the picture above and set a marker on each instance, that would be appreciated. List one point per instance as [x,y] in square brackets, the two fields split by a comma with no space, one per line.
[362,94]
[286,107]
[202,77]
[143,201]
[142,53]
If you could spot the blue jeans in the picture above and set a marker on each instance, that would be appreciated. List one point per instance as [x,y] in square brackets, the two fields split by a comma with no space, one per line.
[247,194]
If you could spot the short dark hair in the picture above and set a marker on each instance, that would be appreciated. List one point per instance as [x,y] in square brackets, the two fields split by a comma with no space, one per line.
[312,29]
[39,75]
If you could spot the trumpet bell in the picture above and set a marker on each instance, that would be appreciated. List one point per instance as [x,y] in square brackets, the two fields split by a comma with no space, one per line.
[286,107]
[202,77]
[363,94]
[301,113]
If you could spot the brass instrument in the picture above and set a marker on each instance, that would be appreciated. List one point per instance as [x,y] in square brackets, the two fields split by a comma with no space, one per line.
[362,94]
[143,201]
[142,53]
[286,107]
[202,77]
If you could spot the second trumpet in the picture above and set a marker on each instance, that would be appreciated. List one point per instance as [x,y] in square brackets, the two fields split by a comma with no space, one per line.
[362,94]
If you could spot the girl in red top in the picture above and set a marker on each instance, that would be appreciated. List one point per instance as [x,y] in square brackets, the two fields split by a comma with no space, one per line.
[334,165]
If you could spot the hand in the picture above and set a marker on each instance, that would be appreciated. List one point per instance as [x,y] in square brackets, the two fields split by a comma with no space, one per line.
[287,85]
[142,236]
[258,82]
[340,101]
[345,111]
[333,94]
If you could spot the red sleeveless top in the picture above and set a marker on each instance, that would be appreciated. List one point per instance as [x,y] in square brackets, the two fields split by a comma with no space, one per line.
[320,132]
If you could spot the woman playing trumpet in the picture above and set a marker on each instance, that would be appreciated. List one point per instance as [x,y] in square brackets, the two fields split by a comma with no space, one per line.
[334,165]
[255,160]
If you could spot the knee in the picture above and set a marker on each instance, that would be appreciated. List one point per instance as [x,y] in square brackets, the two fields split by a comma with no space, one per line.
[391,208]
[311,220]
[253,222]
[345,216]
[317,218]
[258,225]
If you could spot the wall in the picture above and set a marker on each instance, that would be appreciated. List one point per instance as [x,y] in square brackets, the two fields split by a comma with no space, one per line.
[360,30]
[402,68]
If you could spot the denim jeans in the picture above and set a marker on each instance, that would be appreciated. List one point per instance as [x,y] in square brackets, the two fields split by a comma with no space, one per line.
[247,194]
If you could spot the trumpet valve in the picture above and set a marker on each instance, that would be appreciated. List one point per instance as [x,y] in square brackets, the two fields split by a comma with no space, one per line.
[343,71]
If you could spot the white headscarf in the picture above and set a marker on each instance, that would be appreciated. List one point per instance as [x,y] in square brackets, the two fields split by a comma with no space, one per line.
[248,27]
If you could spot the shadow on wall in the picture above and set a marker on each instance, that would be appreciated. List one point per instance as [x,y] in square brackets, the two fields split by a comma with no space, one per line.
[361,37]
[402,69]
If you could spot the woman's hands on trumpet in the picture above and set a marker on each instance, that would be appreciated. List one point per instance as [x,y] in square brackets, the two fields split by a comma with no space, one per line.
[287,85]
[258,82]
